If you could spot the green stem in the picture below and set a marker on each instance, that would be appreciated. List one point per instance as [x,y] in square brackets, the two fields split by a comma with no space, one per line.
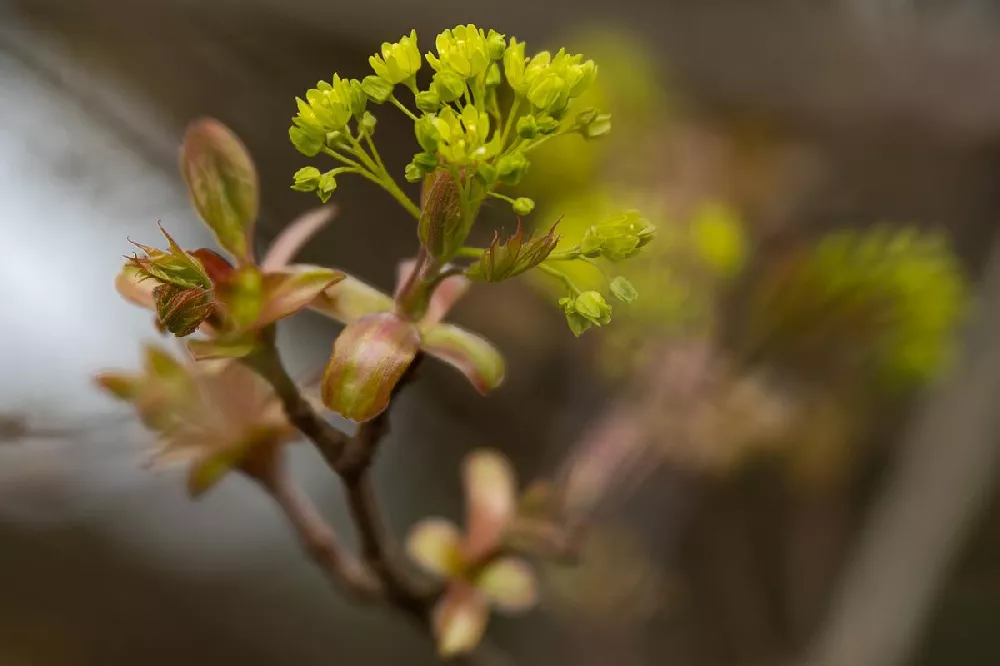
[362,154]
[511,115]
[470,252]
[378,158]
[399,105]
[565,255]
[503,197]
[377,174]
[337,156]
[559,275]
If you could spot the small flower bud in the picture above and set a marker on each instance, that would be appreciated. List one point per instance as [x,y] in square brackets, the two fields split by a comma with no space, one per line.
[546,91]
[623,290]
[511,167]
[367,123]
[428,101]
[412,173]
[306,179]
[592,305]
[449,85]
[586,310]
[523,205]
[326,186]
[428,134]
[599,125]
[514,65]
[548,125]
[307,143]
[586,116]
[527,127]
[496,44]
[377,89]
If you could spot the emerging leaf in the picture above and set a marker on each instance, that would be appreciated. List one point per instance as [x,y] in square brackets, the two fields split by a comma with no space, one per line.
[509,583]
[434,544]
[459,620]
[469,353]
[222,182]
[287,291]
[181,311]
[174,266]
[490,489]
[351,299]
[369,358]
[440,226]
[514,256]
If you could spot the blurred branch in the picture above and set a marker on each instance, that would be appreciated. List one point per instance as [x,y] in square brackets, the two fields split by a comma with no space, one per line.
[924,515]
[351,458]
[318,538]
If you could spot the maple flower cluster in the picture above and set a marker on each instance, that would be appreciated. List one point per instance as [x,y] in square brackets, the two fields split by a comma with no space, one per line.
[486,107]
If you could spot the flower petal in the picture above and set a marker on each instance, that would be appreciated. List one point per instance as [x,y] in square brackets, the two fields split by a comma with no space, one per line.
[471,354]
[350,299]
[293,237]
[434,545]
[369,358]
[287,291]
[136,290]
[222,181]
[459,620]
[509,583]
[490,489]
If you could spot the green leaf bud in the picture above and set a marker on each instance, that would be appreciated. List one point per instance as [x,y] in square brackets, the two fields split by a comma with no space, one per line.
[222,183]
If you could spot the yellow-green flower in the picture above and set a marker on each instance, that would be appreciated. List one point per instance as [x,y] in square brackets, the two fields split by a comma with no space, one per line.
[464,49]
[326,108]
[398,62]
[478,575]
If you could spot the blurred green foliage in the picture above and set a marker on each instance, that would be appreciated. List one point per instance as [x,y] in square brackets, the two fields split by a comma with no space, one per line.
[876,304]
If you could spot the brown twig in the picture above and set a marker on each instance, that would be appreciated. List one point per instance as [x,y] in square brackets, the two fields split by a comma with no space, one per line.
[318,538]
[351,458]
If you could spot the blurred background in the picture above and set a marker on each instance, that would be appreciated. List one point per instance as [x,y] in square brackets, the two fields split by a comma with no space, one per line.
[784,450]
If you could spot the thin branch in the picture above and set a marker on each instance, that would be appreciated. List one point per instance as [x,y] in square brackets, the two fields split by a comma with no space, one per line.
[319,540]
